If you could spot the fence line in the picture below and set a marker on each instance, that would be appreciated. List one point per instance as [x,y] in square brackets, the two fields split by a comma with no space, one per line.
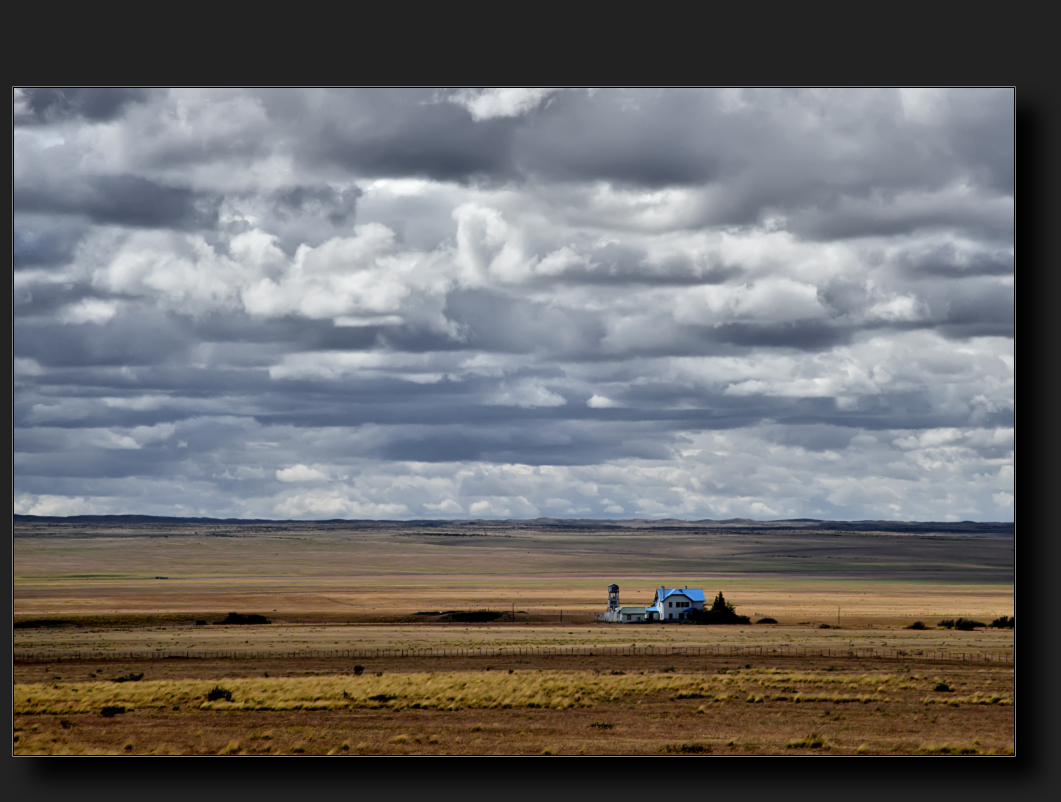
[566,651]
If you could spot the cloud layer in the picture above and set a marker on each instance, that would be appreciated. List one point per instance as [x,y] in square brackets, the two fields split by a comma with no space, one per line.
[513,303]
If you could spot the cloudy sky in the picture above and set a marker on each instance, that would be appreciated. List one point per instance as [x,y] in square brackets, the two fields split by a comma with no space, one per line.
[514,303]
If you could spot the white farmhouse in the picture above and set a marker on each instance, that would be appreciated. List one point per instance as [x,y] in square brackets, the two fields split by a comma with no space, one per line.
[670,604]
[675,604]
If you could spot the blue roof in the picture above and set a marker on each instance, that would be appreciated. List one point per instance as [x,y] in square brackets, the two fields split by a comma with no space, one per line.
[693,594]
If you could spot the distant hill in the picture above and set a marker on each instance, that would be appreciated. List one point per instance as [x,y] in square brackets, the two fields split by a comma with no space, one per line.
[994,528]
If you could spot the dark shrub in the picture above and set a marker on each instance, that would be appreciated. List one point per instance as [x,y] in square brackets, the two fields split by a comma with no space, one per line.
[824,626]
[129,677]
[112,710]
[720,612]
[36,623]
[686,749]
[65,723]
[967,624]
[943,687]
[359,670]
[1003,622]
[917,625]
[199,622]
[947,623]
[767,620]
[237,618]
[217,692]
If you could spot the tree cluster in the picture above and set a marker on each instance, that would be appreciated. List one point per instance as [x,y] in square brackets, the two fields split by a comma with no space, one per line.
[720,612]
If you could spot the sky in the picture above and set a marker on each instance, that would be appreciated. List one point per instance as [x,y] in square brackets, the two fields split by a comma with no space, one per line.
[514,303]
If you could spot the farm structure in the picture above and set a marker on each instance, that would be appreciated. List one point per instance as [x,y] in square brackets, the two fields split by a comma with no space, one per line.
[669,604]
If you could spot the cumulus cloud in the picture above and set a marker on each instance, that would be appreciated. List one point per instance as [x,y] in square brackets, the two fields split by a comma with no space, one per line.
[301,473]
[486,104]
[514,302]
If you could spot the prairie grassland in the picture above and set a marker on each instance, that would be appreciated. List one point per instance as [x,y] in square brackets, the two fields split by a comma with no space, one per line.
[503,635]
[457,690]
[331,571]
[139,588]
[729,710]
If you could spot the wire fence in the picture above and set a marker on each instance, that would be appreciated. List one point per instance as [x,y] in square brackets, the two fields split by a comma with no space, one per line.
[517,651]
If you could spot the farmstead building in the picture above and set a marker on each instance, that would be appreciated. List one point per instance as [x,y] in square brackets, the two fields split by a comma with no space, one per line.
[675,604]
[669,604]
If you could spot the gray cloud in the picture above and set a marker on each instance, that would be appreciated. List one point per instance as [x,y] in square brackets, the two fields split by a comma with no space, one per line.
[505,303]
[123,200]
[56,104]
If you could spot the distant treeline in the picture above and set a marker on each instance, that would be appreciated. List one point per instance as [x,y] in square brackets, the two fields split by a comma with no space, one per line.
[996,528]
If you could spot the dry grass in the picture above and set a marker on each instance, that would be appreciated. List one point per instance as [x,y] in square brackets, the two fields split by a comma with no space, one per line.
[457,690]
[527,712]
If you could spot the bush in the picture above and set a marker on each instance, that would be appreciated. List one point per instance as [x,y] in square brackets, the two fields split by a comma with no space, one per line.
[130,677]
[359,670]
[686,749]
[943,687]
[720,612]
[967,624]
[237,618]
[217,692]
[109,711]
[917,625]
[1003,622]
[947,623]
[812,741]
[766,621]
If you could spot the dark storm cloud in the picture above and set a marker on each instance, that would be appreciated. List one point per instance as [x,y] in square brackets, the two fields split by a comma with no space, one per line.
[123,200]
[387,133]
[802,335]
[947,261]
[642,138]
[392,303]
[44,241]
[337,206]
[56,104]
[127,340]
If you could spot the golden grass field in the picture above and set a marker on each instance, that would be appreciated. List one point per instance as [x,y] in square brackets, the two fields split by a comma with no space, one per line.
[358,587]
[714,708]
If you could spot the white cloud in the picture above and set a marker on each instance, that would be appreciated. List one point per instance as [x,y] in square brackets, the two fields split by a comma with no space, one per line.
[526,393]
[301,473]
[600,402]
[90,310]
[487,104]
[30,504]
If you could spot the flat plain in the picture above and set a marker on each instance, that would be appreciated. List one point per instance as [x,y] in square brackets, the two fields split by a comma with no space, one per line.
[112,588]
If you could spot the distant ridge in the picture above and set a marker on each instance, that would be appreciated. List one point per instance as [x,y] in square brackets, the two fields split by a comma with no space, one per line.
[999,528]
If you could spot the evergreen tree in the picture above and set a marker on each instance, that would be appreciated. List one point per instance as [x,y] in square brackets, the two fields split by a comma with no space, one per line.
[720,612]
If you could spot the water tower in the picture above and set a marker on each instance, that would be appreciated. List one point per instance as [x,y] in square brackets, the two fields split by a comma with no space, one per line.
[613,597]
